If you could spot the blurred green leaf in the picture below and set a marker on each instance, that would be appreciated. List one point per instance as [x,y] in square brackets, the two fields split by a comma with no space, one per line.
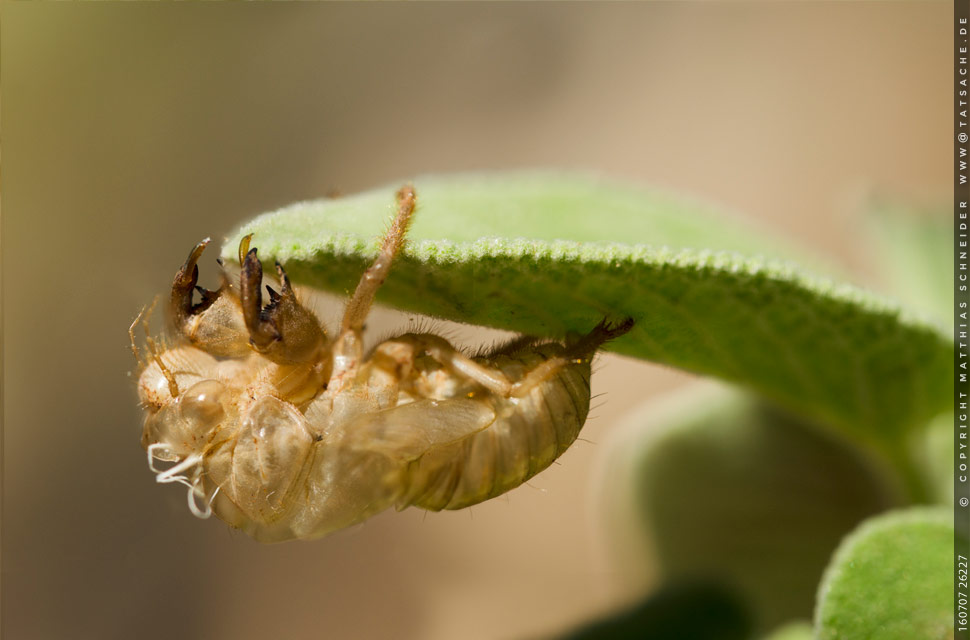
[936,457]
[545,253]
[891,579]
[678,612]
[913,250]
[792,631]
[716,485]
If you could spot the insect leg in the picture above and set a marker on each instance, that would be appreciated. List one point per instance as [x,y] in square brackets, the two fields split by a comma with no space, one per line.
[284,330]
[582,349]
[496,381]
[373,278]
[601,333]
[454,360]
[143,316]
[173,387]
[131,338]
[512,345]
[184,285]
[215,323]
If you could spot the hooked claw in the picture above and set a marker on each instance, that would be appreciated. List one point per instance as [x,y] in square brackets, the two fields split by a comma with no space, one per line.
[260,322]
[212,324]
[284,330]
[185,283]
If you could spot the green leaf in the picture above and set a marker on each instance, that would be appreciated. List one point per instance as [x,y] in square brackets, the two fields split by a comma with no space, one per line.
[914,252]
[714,484]
[545,253]
[891,579]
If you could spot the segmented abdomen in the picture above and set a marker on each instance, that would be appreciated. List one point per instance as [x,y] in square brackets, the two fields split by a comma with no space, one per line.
[528,434]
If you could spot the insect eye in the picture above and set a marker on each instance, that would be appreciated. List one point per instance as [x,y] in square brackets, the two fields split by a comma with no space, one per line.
[185,426]
[200,407]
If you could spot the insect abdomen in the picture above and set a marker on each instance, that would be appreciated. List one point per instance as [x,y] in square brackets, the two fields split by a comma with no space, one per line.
[528,434]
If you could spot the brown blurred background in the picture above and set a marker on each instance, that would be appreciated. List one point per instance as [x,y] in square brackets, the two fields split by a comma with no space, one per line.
[130,131]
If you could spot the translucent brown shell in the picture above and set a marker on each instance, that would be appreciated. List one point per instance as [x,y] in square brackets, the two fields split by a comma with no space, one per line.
[285,432]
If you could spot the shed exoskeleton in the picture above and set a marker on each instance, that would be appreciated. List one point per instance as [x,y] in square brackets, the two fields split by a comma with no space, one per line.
[285,432]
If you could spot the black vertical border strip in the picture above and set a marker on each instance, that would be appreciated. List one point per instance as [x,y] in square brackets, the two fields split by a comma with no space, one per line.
[961,312]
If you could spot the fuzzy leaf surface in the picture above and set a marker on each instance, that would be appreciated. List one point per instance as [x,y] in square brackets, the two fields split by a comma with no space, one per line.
[544,253]
[890,579]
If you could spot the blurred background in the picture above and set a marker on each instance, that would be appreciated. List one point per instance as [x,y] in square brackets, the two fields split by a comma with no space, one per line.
[130,131]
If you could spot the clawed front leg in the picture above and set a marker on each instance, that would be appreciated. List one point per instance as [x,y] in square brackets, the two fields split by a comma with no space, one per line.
[284,330]
[214,324]
[186,279]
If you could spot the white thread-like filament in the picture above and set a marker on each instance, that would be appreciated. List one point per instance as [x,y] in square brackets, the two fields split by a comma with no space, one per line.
[173,474]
